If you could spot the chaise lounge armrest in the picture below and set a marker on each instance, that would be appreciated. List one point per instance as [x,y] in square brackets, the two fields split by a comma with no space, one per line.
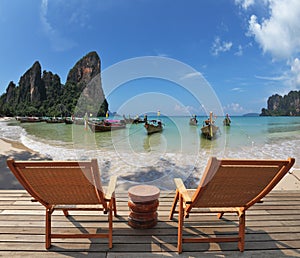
[110,191]
[182,190]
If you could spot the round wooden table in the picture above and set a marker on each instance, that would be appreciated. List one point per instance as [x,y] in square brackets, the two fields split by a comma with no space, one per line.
[143,203]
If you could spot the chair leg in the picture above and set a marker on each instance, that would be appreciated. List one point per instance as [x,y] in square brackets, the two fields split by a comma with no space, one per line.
[180,225]
[174,205]
[220,215]
[242,225]
[48,229]
[114,206]
[66,213]
[110,225]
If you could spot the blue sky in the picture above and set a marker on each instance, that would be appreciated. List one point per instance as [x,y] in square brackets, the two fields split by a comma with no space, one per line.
[247,50]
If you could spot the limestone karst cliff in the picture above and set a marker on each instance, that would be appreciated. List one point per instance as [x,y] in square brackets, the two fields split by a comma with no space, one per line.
[287,105]
[43,94]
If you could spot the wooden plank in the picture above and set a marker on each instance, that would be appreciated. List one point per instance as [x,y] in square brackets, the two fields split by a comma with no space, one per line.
[80,247]
[148,238]
[212,254]
[272,228]
[162,217]
[120,230]
[47,253]
[160,224]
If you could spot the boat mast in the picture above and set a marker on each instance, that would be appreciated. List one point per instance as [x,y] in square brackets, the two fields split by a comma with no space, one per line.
[210,125]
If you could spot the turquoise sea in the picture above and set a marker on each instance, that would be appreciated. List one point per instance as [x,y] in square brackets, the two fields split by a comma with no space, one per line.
[179,151]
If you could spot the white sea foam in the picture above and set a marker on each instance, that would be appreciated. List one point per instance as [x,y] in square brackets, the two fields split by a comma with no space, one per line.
[11,132]
[147,168]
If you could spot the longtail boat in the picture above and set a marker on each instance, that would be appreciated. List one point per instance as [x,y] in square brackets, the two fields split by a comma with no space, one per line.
[106,125]
[209,129]
[153,126]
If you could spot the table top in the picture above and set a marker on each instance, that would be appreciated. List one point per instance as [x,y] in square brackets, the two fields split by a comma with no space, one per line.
[143,193]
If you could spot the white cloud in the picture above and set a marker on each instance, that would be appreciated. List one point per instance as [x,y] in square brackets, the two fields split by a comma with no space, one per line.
[290,78]
[43,15]
[234,108]
[279,34]
[184,110]
[58,42]
[219,46]
[244,3]
[190,75]
[162,55]
[295,72]
[240,51]
[237,89]
[275,78]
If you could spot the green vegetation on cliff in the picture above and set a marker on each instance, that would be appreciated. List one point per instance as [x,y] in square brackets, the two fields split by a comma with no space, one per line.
[288,105]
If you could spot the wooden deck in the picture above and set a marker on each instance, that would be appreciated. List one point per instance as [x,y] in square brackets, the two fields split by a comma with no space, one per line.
[273,230]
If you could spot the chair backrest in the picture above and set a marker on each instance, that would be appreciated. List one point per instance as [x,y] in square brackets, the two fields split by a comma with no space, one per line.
[60,182]
[238,183]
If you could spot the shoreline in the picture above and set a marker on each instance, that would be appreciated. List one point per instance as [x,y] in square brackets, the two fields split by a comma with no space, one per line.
[18,151]
[9,145]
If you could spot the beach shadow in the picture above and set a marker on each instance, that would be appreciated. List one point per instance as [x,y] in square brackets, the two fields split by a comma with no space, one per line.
[258,243]
[98,247]
[148,174]
[144,241]
[7,178]
[162,175]
[104,168]
[261,244]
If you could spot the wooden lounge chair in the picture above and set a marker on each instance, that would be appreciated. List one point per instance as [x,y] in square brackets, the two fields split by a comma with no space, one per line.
[227,186]
[67,185]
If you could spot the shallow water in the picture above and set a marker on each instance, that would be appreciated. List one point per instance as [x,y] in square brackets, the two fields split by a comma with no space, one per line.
[179,151]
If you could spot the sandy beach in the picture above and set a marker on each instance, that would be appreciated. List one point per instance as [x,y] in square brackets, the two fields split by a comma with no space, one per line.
[16,150]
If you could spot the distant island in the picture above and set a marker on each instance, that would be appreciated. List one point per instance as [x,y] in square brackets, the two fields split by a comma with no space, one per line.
[251,114]
[43,94]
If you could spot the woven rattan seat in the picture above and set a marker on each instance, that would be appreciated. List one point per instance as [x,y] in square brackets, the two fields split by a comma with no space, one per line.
[67,185]
[227,185]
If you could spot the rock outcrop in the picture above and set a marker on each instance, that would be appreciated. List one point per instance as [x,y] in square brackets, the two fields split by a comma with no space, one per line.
[85,70]
[31,86]
[288,105]
[10,91]
[44,95]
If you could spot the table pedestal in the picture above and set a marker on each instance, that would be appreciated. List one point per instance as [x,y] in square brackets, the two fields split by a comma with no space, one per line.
[143,203]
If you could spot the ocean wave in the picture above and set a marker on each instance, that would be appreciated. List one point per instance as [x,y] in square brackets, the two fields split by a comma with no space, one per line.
[12,132]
